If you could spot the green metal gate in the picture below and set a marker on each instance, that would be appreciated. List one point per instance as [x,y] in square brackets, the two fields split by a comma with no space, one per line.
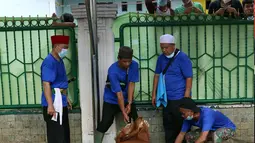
[221,50]
[24,43]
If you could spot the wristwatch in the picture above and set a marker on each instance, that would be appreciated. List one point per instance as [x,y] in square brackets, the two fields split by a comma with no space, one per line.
[130,102]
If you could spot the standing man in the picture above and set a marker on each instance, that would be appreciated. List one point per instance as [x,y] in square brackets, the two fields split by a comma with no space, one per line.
[54,79]
[119,91]
[178,82]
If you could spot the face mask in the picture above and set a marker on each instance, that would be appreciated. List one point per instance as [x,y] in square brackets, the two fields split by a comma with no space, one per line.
[170,56]
[62,53]
[189,118]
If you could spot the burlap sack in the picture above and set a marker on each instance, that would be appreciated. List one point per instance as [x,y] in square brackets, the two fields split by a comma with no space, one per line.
[137,132]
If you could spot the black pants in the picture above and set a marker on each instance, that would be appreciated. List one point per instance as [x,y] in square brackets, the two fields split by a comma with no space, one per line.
[172,120]
[57,133]
[109,111]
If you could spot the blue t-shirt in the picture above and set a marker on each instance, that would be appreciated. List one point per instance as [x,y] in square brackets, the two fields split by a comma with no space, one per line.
[53,71]
[176,74]
[209,120]
[117,75]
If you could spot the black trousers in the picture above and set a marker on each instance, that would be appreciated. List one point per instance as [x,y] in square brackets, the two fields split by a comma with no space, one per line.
[57,133]
[109,111]
[172,120]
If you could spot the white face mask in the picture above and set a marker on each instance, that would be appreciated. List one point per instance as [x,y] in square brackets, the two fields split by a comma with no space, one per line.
[170,56]
[63,53]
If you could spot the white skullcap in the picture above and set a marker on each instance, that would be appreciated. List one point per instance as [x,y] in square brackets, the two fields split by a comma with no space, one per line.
[167,38]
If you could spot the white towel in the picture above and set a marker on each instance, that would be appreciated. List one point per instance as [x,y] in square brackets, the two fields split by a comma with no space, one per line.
[58,105]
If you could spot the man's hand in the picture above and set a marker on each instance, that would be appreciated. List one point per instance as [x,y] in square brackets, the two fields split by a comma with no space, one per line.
[231,10]
[128,108]
[51,111]
[220,12]
[69,104]
[188,10]
[197,10]
[126,117]
[203,137]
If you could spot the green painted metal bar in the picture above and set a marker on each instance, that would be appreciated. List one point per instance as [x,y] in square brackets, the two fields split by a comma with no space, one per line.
[246,62]
[229,36]
[197,68]
[7,53]
[148,64]
[221,55]
[180,29]
[251,100]
[25,69]
[237,77]
[189,41]
[205,35]
[32,60]
[74,67]
[140,62]
[213,62]
[15,49]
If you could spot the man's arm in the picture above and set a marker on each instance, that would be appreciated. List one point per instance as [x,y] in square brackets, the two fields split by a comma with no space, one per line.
[68,24]
[203,137]
[180,137]
[154,90]
[121,101]
[47,93]
[188,87]
[186,68]
[131,90]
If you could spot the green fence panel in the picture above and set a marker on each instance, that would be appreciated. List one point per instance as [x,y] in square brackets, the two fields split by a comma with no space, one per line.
[24,43]
[221,50]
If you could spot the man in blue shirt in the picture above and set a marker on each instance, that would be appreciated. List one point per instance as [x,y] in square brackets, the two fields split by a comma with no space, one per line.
[53,76]
[213,124]
[119,91]
[178,82]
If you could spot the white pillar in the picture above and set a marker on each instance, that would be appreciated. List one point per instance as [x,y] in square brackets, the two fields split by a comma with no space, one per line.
[106,14]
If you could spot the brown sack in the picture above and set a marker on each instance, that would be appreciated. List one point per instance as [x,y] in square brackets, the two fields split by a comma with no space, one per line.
[137,132]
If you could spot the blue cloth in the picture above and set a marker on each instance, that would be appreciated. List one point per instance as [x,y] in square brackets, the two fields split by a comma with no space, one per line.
[53,71]
[176,74]
[209,120]
[116,76]
[161,91]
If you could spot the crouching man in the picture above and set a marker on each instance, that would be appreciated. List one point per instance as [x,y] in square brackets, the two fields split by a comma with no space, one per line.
[213,124]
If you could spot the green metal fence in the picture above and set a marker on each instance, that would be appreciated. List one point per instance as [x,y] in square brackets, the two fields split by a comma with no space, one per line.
[24,43]
[221,50]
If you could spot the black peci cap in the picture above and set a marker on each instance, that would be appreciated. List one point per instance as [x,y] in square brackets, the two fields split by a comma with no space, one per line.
[125,53]
[188,103]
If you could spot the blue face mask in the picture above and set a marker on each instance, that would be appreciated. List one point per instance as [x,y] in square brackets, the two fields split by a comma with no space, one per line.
[62,53]
[189,118]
